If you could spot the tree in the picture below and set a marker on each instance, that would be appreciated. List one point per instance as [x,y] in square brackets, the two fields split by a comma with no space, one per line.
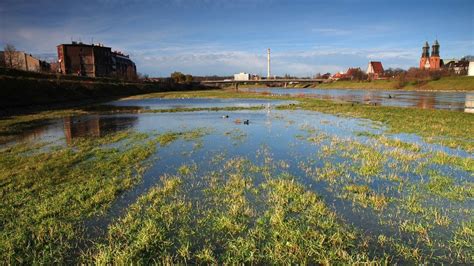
[178,77]
[10,55]
[189,78]
[393,72]
[358,74]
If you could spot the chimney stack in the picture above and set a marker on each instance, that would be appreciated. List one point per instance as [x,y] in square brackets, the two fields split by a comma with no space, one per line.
[268,64]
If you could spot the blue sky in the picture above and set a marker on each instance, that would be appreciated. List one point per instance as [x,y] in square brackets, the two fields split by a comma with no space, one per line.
[222,37]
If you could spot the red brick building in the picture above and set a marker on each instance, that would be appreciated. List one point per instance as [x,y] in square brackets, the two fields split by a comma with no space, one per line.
[122,66]
[92,60]
[432,62]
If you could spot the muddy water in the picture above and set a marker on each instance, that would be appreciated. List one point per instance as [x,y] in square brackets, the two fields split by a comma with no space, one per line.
[284,136]
[459,101]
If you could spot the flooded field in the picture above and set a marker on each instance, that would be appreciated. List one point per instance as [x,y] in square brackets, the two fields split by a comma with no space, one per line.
[459,101]
[161,103]
[272,186]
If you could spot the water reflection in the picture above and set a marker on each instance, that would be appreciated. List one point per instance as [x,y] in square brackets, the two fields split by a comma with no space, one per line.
[469,108]
[95,125]
[70,128]
[426,102]
[162,103]
[459,101]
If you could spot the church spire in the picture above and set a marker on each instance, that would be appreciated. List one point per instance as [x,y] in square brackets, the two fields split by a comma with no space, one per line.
[435,49]
[426,51]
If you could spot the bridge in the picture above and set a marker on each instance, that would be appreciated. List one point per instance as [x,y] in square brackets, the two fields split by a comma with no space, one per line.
[277,82]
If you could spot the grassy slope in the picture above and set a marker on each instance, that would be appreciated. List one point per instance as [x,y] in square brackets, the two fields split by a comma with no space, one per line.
[449,83]
[24,91]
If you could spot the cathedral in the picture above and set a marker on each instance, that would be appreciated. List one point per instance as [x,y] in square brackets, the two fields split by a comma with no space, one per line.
[432,62]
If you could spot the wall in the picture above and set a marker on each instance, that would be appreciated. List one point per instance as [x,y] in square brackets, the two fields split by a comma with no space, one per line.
[471,69]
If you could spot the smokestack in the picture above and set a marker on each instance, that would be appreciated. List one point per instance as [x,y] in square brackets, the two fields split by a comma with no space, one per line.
[268,64]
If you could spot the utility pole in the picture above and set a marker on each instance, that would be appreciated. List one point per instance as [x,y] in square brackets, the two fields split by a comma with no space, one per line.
[268,64]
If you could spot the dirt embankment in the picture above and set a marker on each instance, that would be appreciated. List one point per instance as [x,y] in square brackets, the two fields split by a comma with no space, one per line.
[44,91]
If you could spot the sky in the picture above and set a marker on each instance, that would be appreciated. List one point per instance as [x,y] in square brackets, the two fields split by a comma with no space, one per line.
[223,37]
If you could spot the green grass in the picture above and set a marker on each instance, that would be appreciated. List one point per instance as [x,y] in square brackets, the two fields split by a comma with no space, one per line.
[445,187]
[293,224]
[448,128]
[47,190]
[364,196]
[45,194]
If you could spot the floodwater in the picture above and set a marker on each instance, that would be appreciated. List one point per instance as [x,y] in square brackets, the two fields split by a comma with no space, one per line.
[164,103]
[458,101]
[286,137]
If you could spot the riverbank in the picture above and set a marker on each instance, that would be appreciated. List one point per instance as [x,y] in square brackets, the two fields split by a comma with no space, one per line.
[29,92]
[443,84]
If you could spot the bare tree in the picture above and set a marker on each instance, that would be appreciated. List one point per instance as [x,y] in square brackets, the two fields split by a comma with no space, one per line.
[10,55]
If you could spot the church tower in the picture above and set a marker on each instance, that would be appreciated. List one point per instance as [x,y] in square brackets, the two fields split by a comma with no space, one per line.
[435,61]
[425,57]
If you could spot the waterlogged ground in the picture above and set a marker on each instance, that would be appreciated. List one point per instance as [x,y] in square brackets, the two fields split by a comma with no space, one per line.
[181,103]
[244,186]
[458,101]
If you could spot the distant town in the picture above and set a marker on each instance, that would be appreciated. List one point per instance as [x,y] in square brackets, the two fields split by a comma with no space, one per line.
[98,60]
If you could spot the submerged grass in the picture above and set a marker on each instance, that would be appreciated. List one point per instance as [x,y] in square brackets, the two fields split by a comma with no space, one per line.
[445,187]
[244,212]
[46,193]
[277,221]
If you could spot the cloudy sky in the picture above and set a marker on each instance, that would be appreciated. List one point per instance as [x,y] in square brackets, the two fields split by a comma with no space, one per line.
[222,37]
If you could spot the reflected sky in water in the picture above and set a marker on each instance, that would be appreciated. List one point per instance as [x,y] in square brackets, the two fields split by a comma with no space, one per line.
[459,101]
[164,103]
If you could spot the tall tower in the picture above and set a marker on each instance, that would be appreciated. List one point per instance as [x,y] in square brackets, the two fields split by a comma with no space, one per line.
[425,57]
[435,61]
[268,64]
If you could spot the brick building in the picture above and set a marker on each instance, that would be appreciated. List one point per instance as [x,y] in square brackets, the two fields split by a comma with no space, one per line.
[23,61]
[92,60]
[375,70]
[432,62]
[123,66]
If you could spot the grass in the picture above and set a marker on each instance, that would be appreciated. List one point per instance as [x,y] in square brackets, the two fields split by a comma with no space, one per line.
[46,194]
[361,194]
[465,163]
[47,191]
[291,224]
[445,187]
[436,126]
